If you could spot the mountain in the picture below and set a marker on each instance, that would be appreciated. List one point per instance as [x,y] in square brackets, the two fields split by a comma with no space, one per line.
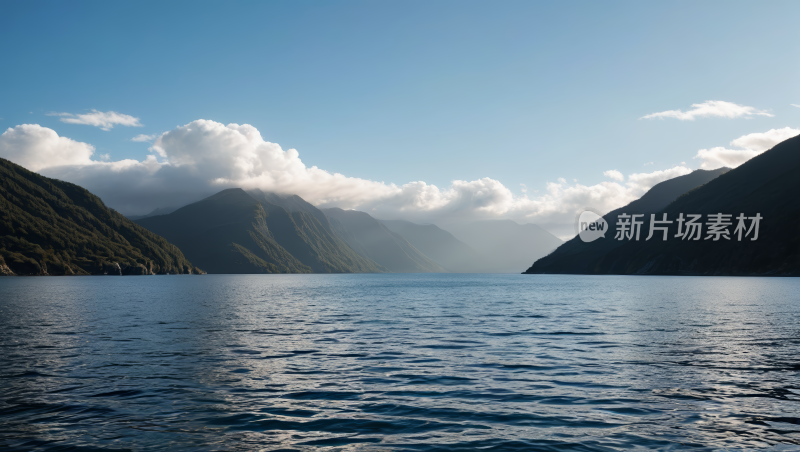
[371,239]
[577,257]
[437,244]
[766,185]
[51,227]
[505,246]
[233,232]
[306,233]
[158,211]
[663,193]
[228,233]
[292,203]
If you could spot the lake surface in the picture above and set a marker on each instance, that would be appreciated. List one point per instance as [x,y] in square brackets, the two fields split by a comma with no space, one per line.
[399,362]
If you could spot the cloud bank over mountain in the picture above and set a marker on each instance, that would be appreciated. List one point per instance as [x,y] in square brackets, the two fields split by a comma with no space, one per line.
[203,157]
[753,144]
[35,147]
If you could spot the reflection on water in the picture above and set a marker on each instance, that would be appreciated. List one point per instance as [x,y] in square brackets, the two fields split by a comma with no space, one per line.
[399,362]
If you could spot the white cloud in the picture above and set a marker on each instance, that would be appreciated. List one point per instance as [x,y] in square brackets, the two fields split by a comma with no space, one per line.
[753,144]
[36,147]
[614,174]
[105,120]
[766,140]
[144,138]
[711,108]
[643,181]
[795,105]
[718,157]
[203,157]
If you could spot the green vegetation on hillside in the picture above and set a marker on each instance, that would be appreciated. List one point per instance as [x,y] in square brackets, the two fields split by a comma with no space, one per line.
[307,234]
[226,233]
[235,231]
[51,227]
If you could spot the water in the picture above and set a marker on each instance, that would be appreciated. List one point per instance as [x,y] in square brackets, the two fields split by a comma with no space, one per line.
[399,362]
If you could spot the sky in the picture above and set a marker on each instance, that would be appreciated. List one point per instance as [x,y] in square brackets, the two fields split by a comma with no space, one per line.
[429,111]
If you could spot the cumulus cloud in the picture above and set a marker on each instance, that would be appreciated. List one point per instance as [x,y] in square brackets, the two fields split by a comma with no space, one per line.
[795,105]
[711,108]
[764,141]
[144,138]
[200,158]
[106,120]
[719,157]
[642,182]
[753,144]
[36,147]
[614,174]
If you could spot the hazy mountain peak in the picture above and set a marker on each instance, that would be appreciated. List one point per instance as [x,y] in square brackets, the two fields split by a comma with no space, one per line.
[372,239]
[438,244]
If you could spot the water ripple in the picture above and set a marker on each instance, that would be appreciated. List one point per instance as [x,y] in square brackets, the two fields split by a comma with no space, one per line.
[399,362]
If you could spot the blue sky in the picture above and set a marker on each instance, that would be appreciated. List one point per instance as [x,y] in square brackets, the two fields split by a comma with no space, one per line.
[521,92]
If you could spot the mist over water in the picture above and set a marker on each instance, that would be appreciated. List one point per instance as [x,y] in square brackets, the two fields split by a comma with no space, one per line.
[399,362]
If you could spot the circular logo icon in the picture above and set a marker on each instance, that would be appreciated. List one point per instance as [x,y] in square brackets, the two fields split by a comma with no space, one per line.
[590,225]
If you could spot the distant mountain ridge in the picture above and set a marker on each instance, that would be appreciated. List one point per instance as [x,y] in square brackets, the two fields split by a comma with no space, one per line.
[371,239]
[388,252]
[51,227]
[382,245]
[439,245]
[292,203]
[238,232]
[575,256]
[228,233]
[305,232]
[154,212]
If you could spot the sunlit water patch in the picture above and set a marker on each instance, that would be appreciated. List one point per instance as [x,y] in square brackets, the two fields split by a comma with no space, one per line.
[399,362]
